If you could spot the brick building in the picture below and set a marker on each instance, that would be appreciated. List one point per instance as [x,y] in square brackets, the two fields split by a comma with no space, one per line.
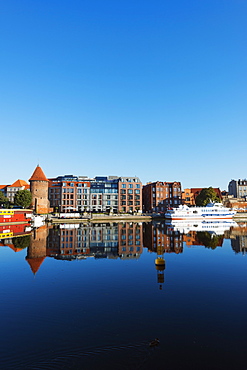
[39,191]
[130,194]
[158,196]
[69,193]
[189,195]
[100,194]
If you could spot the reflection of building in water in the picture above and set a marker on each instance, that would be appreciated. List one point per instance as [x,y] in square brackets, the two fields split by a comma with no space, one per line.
[36,252]
[104,240]
[239,244]
[130,240]
[109,240]
[238,238]
[198,238]
[159,235]
[68,242]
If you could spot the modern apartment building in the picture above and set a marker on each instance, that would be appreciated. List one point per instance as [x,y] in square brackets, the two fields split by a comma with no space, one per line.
[100,194]
[158,196]
[104,194]
[69,193]
[238,188]
[130,194]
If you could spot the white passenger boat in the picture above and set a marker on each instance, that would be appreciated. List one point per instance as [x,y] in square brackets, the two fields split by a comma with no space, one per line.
[211,211]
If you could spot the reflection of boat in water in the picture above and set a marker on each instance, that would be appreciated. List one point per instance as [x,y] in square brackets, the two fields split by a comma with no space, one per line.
[216,227]
[37,220]
[215,211]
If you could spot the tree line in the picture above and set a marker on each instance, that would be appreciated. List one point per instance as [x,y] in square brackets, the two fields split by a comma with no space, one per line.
[23,198]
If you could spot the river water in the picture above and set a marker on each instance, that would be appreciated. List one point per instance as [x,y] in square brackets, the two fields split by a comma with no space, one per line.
[85,297]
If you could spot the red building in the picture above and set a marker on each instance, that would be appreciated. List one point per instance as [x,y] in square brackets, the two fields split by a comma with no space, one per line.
[158,196]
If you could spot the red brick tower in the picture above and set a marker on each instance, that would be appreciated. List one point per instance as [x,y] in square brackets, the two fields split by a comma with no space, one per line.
[39,190]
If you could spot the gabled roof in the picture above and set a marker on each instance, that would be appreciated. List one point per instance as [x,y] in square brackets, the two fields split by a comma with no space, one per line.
[18,184]
[38,175]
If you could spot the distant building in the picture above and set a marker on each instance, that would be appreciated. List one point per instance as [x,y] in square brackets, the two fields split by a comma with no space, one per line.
[9,191]
[158,196]
[15,187]
[238,188]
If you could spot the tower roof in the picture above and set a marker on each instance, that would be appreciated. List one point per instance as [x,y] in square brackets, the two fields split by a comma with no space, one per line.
[35,263]
[38,175]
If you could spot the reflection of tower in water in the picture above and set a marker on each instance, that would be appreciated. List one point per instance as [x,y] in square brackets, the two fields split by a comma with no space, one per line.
[160,265]
[36,252]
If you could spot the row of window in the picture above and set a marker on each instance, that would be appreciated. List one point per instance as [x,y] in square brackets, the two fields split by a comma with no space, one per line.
[131,186]
[130,191]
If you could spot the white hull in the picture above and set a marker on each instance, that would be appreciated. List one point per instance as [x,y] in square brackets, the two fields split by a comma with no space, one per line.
[213,211]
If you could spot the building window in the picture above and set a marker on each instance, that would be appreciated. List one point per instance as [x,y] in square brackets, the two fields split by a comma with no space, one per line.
[123,185]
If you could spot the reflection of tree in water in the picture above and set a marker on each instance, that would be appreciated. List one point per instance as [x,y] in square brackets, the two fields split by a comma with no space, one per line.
[22,242]
[208,240]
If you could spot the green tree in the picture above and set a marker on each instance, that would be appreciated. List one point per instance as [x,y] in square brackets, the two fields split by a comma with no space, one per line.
[23,198]
[22,241]
[3,200]
[206,196]
[209,240]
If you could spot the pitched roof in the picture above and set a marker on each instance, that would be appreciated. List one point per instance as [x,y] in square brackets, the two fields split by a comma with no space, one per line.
[3,186]
[35,263]
[18,184]
[38,175]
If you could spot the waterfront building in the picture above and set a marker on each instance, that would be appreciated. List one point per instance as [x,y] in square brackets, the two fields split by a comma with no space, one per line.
[130,194]
[69,193]
[39,191]
[158,196]
[100,194]
[189,195]
[238,188]
[104,194]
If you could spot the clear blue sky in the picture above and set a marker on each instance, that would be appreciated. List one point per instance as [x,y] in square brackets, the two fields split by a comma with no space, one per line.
[156,89]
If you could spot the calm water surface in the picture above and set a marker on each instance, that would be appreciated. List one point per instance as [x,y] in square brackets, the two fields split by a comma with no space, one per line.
[81,297]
